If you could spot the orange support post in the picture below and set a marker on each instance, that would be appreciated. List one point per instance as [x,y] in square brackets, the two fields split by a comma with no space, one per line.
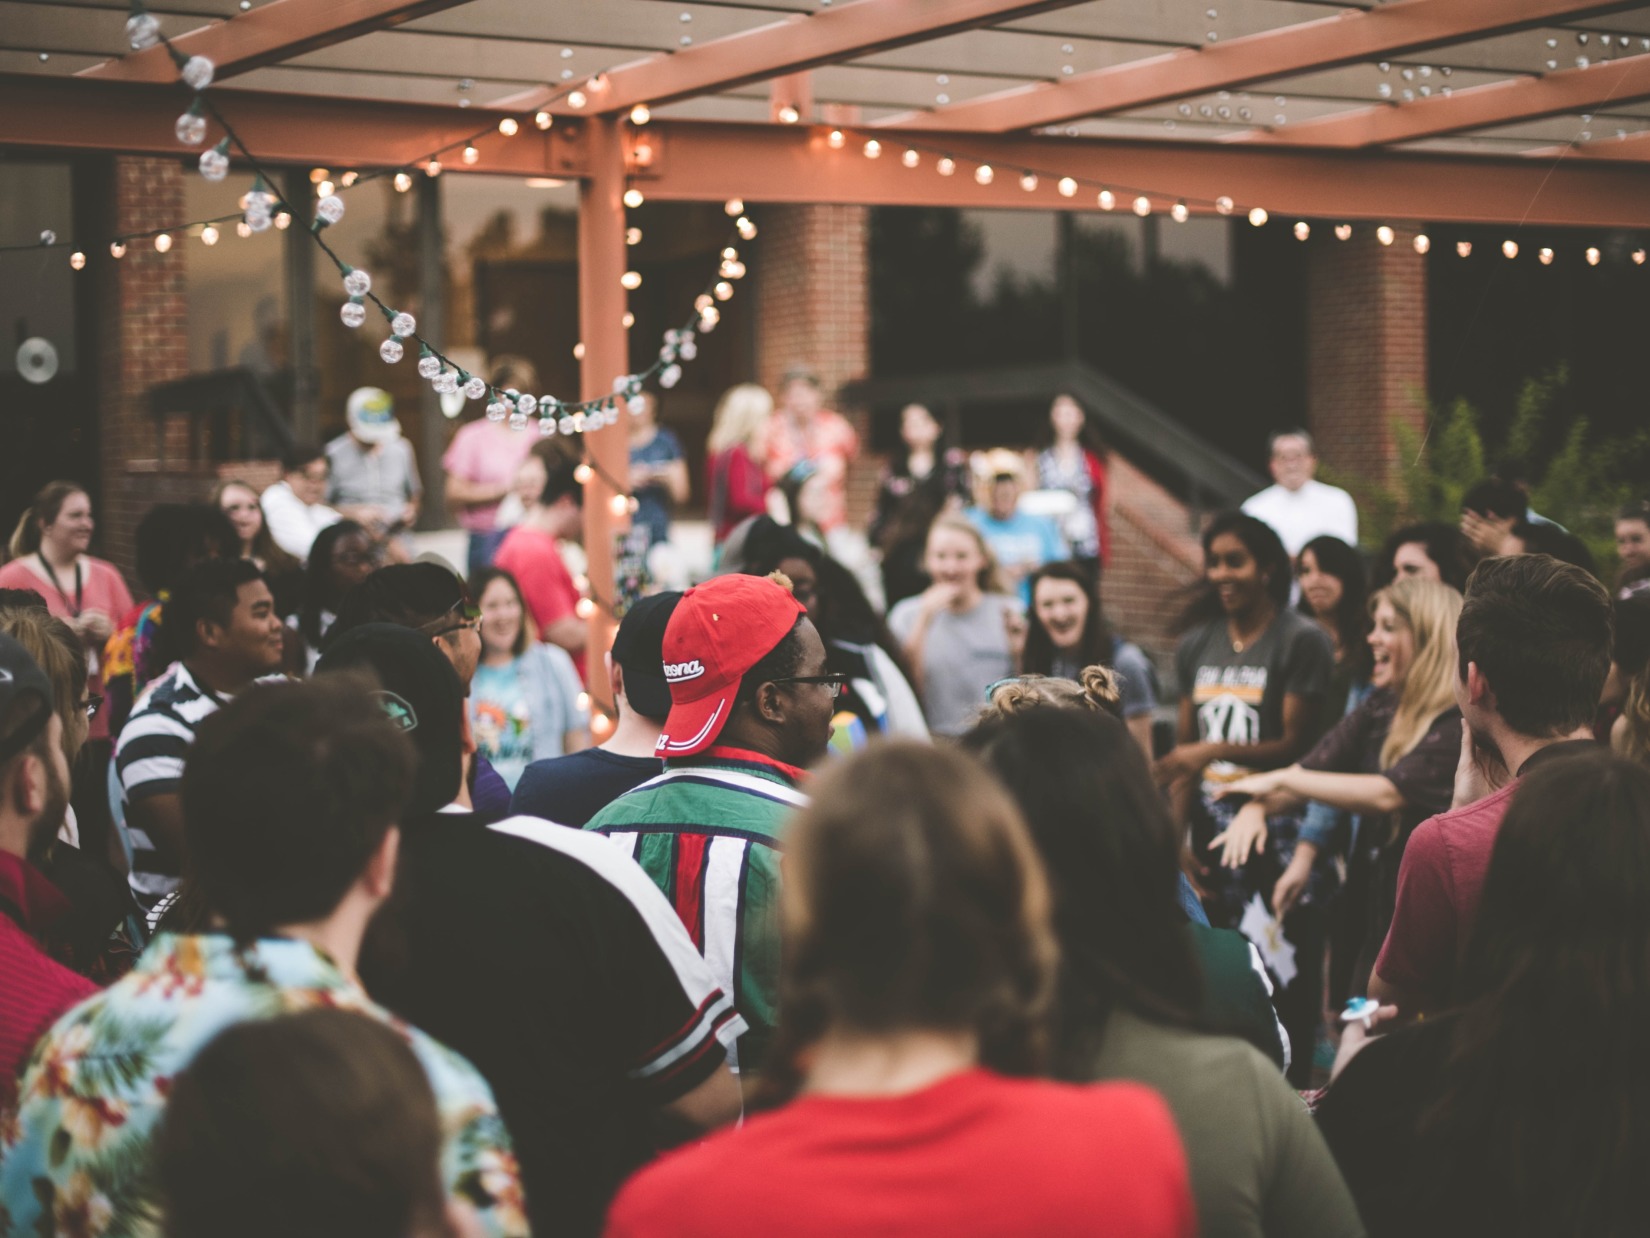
[606,356]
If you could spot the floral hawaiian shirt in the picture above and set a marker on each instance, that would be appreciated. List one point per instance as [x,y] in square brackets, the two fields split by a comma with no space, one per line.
[74,1158]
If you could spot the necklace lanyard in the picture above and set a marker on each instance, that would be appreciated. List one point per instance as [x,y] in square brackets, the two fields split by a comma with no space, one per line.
[79,583]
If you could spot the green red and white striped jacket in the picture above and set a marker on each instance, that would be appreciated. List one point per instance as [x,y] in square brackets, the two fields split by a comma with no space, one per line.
[707,831]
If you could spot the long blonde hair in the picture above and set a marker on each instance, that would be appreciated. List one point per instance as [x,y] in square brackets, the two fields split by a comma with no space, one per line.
[742,416]
[25,538]
[1429,610]
[989,579]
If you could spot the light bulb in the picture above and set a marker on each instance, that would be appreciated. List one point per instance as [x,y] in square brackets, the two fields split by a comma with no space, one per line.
[197,72]
[391,350]
[357,282]
[1179,212]
[1258,216]
[747,230]
[428,366]
[584,608]
[788,115]
[578,351]
[77,260]
[583,474]
[547,427]
[582,702]
[1343,232]
[670,376]
[1142,206]
[244,229]
[1028,181]
[1223,205]
[117,249]
[639,115]
[1638,257]
[618,505]
[1592,257]
[518,421]
[633,198]
[142,30]
[1384,235]
[283,221]
[946,166]
[543,119]
[497,411]
[873,149]
[1106,199]
[910,158]
[403,182]
[577,99]
[1067,187]
[214,164]
[325,189]
[209,235]
[600,725]
[330,210]
[1545,256]
[834,139]
[1463,249]
[708,318]
[1422,242]
[163,242]
[1509,248]
[984,174]
[527,405]
[723,290]
[471,154]
[508,127]
[191,129]
[1303,230]
[432,168]
[631,280]
[352,313]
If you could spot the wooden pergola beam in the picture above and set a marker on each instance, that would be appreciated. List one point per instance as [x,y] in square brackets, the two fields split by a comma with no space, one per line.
[276,31]
[803,42]
[1478,107]
[1635,148]
[703,161]
[1347,38]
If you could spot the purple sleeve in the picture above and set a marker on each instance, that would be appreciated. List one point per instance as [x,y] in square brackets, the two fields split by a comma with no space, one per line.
[1425,775]
[1339,750]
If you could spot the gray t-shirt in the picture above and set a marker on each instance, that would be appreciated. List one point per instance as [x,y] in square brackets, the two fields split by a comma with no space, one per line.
[1139,686]
[962,656]
[1239,696]
[385,478]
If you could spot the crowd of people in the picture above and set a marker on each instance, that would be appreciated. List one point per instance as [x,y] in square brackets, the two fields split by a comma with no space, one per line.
[919,901]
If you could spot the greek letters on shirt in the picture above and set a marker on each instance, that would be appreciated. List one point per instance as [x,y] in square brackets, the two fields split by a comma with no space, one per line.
[1228,709]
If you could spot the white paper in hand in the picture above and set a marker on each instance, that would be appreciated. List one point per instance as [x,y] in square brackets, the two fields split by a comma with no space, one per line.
[1261,927]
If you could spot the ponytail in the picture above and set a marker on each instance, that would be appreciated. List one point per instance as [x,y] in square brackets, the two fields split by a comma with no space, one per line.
[25,538]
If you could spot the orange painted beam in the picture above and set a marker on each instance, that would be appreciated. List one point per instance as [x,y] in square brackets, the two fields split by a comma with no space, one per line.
[69,113]
[602,303]
[1330,42]
[276,31]
[697,161]
[1635,148]
[803,42]
[703,161]
[1478,107]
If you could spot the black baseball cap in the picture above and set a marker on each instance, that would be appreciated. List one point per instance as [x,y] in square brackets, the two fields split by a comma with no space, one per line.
[20,680]
[638,650]
[420,691]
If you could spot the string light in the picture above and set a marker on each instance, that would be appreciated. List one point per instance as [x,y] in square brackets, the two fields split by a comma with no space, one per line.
[209,235]
[1510,248]
[1638,257]
[1223,205]
[640,115]
[631,280]
[1180,212]
[946,165]
[584,607]
[1142,206]
[984,174]
[432,169]
[788,115]
[543,119]
[633,198]
[873,149]
[1258,216]
[77,260]
[163,243]
[508,127]
[632,236]
[117,249]
[1107,200]
[910,158]
[835,140]
[577,99]
[1385,235]
[1303,230]
[471,156]
[1028,181]
[403,182]
[1463,249]
[733,207]
[1067,187]
[1545,257]
[1592,256]
[1422,242]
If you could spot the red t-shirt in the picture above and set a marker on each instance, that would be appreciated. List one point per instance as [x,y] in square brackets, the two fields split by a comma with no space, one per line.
[534,559]
[974,1156]
[1440,881]
[36,990]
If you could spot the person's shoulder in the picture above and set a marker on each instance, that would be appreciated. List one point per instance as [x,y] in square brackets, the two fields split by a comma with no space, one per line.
[1296,628]
[1262,499]
[902,610]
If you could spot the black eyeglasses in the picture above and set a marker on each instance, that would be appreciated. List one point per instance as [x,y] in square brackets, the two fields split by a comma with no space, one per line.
[468,616]
[838,682]
[92,704]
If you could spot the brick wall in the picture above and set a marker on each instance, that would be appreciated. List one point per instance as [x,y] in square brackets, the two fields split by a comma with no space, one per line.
[1155,555]
[142,341]
[812,280]
[1366,350]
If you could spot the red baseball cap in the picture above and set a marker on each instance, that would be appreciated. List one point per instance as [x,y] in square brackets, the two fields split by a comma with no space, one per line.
[718,631]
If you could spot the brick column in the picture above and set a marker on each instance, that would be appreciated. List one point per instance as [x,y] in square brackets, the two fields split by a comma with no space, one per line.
[1366,350]
[142,341]
[811,269]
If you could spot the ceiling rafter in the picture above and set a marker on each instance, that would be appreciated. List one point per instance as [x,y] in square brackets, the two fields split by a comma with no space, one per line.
[803,42]
[1476,107]
[275,32]
[1325,43]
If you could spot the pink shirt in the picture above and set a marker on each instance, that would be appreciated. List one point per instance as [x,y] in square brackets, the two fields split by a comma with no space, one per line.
[101,588]
[487,453]
[830,442]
